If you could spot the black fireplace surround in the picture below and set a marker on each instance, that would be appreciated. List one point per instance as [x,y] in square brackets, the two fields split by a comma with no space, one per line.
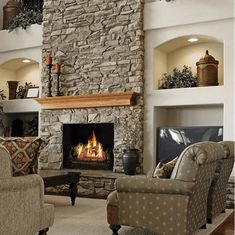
[79,135]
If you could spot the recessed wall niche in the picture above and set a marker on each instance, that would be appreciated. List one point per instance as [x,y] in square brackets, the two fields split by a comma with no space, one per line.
[19,69]
[179,51]
[187,116]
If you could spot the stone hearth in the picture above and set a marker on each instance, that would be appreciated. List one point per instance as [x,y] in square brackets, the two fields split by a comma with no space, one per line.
[92,183]
[100,46]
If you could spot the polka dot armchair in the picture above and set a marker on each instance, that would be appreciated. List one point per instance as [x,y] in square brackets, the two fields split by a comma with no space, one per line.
[217,193]
[167,206]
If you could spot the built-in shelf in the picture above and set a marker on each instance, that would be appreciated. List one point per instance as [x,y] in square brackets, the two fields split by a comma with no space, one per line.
[20,106]
[29,38]
[88,101]
[188,96]
[179,51]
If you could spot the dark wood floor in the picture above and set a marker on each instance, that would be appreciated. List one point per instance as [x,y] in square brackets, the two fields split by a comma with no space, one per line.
[227,228]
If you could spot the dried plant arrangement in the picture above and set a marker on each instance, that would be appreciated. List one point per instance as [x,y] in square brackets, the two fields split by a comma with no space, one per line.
[178,79]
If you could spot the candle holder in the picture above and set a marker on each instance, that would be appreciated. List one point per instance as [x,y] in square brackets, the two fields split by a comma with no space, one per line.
[58,84]
[50,78]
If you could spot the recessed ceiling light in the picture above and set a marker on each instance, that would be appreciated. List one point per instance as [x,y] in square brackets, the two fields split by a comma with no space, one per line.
[192,39]
[26,61]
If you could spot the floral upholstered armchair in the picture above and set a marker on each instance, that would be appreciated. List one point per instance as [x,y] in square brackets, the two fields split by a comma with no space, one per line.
[218,189]
[22,209]
[167,206]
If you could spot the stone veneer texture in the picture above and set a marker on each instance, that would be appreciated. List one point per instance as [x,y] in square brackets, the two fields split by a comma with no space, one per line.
[100,44]
[88,186]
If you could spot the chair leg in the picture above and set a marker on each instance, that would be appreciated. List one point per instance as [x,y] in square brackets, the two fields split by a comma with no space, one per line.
[209,221]
[114,228]
[43,231]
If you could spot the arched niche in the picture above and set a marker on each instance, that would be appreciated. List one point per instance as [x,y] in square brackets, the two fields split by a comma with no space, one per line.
[177,52]
[24,70]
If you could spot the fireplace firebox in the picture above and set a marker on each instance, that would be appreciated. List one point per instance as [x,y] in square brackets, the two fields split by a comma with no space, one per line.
[88,146]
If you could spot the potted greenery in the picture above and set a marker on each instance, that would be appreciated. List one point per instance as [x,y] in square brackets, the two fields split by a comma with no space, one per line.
[29,14]
[21,92]
[179,79]
[2,96]
[10,10]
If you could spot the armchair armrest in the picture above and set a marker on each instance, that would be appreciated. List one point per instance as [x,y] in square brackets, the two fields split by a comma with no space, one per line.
[22,184]
[5,166]
[22,201]
[153,185]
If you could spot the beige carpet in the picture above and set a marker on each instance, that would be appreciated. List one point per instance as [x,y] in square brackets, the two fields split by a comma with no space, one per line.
[88,217]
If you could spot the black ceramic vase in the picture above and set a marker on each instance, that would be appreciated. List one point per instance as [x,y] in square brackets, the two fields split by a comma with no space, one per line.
[130,160]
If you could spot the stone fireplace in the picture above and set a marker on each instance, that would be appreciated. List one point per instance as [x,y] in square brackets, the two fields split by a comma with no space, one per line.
[126,131]
[100,44]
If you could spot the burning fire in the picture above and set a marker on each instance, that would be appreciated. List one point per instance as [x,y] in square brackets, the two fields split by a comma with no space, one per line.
[93,151]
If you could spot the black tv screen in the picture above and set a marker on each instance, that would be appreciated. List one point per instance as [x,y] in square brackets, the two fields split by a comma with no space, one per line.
[171,141]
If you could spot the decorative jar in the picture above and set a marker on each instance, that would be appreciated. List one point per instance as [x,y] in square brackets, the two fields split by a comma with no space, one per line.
[130,160]
[10,10]
[12,85]
[207,70]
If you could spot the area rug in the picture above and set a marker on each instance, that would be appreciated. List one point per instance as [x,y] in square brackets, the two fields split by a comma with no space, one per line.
[88,217]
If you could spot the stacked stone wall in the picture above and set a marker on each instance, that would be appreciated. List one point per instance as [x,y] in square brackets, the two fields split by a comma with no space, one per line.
[100,44]
[88,186]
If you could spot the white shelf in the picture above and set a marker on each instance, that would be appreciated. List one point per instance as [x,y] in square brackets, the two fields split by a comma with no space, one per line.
[187,96]
[20,106]
[29,38]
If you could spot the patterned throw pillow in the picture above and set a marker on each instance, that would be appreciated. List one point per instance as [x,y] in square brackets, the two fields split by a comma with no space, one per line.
[23,153]
[164,170]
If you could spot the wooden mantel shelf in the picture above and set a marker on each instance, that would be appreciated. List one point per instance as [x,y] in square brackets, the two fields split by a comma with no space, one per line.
[88,101]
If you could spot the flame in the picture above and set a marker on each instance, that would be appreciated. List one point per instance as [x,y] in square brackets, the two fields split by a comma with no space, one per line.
[93,151]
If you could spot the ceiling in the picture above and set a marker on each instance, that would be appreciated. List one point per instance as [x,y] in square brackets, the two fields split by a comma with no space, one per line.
[16,64]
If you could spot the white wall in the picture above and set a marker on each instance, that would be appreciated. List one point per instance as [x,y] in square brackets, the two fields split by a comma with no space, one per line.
[167,21]
[195,116]
[30,73]
[160,66]
[162,14]
[22,44]
[6,75]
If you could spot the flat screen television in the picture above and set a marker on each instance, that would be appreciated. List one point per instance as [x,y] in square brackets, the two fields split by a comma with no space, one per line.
[171,141]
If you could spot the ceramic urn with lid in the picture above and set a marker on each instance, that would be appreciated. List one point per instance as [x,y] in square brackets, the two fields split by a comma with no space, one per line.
[207,71]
